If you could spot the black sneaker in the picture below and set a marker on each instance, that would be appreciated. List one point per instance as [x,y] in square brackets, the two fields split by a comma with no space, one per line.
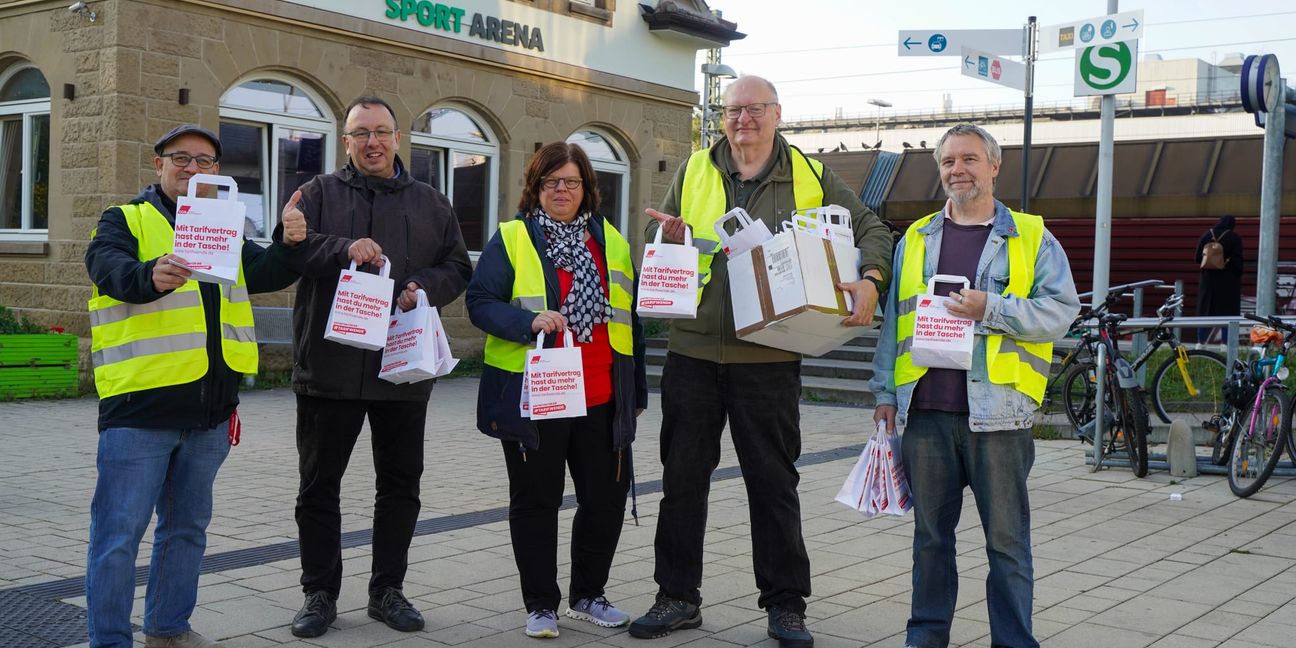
[666,616]
[789,628]
[390,606]
[319,610]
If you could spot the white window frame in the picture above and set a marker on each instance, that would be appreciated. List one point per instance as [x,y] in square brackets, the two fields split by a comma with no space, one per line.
[622,168]
[272,123]
[452,145]
[28,110]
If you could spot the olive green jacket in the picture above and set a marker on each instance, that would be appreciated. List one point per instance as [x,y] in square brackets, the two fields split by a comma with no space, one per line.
[711,336]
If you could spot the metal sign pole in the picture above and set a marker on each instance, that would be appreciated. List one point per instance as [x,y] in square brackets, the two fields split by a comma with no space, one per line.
[1270,203]
[1103,217]
[1032,49]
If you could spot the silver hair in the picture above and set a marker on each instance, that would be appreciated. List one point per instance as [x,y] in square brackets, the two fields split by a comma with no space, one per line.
[992,146]
[761,80]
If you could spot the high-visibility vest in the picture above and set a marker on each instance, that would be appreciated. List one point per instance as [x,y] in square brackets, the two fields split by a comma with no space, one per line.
[529,292]
[1024,365]
[135,347]
[703,201]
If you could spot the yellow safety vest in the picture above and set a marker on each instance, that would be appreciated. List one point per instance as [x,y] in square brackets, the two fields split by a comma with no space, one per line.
[703,201]
[529,292]
[135,347]
[1024,365]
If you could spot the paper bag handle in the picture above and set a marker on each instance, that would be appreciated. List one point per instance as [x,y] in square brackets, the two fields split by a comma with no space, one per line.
[940,278]
[567,339]
[422,301]
[384,271]
[744,220]
[220,180]
[688,235]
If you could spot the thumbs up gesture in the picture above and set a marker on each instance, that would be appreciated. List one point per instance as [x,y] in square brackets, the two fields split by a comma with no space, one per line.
[294,221]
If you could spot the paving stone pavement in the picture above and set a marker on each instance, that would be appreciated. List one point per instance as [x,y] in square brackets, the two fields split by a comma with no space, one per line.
[1117,562]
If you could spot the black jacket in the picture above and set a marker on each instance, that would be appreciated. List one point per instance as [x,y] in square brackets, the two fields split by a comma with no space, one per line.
[114,267]
[488,299]
[417,230]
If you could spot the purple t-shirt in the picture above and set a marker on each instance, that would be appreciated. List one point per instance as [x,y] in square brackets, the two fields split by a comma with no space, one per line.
[961,246]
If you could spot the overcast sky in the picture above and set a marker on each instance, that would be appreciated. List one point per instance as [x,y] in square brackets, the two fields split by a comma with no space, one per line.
[831,55]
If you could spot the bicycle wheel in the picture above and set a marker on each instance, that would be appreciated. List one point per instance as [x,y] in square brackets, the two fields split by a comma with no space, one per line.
[1171,396]
[1078,393]
[1259,442]
[1133,423]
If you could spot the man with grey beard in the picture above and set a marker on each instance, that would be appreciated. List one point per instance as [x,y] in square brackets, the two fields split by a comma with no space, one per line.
[973,427]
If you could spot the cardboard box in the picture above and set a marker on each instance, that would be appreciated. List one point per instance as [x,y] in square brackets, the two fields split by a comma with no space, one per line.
[784,292]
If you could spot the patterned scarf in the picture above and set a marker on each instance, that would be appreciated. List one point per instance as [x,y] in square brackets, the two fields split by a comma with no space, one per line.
[585,305]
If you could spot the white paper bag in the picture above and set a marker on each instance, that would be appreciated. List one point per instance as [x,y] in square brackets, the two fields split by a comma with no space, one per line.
[209,231]
[831,222]
[361,309]
[668,279]
[941,340]
[417,348]
[748,234]
[877,484]
[553,381]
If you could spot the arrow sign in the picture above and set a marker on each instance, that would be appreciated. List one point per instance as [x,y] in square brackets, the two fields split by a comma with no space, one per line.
[995,69]
[1089,32]
[949,42]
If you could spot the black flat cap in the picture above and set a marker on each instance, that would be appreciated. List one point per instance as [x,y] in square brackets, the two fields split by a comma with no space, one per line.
[183,129]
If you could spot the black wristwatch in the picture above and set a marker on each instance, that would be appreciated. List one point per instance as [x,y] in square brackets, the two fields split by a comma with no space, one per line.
[876,282]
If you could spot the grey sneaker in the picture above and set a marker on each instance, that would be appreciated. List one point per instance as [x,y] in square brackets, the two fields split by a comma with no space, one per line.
[542,624]
[189,639]
[598,611]
[788,626]
[666,616]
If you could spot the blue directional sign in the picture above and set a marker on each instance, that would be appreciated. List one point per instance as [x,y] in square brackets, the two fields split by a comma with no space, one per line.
[948,42]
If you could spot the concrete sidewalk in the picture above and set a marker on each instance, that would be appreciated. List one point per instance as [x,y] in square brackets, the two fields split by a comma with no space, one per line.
[1117,562]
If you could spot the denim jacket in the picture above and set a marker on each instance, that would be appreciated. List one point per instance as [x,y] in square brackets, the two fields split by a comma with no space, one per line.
[1044,317]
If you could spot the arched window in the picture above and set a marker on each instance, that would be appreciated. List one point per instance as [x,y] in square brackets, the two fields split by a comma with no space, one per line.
[24,152]
[275,136]
[452,151]
[613,175]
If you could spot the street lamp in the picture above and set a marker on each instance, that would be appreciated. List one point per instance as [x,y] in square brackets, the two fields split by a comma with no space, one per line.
[877,123]
[712,72]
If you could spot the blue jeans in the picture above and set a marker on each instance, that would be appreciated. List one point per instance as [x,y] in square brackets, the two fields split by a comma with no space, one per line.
[941,457]
[141,470]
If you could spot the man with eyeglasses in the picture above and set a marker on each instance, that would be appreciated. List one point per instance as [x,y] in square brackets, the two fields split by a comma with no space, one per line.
[168,354]
[712,376]
[371,212]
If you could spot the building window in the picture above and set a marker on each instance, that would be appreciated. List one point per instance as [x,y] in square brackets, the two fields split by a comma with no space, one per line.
[275,137]
[24,153]
[613,175]
[452,151]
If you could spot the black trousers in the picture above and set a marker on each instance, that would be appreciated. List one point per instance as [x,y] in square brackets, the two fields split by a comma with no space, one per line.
[536,480]
[327,430]
[761,402]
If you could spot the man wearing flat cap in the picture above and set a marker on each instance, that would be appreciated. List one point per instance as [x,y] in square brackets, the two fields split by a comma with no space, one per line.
[168,353]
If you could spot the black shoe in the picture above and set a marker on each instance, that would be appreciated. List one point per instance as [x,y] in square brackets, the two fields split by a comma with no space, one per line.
[666,615]
[319,610]
[390,606]
[789,628]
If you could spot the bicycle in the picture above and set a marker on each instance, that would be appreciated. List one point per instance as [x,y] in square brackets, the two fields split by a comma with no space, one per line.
[1259,445]
[1126,414]
[1187,384]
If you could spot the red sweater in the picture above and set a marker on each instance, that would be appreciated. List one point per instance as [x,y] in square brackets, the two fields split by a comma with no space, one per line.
[596,355]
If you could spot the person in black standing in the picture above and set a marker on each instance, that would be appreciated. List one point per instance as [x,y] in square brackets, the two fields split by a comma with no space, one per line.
[1219,291]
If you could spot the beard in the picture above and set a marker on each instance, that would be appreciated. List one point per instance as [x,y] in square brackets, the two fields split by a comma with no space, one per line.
[963,196]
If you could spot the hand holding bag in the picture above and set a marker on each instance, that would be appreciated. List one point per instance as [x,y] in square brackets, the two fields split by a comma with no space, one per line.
[209,231]
[361,310]
[416,345]
[941,340]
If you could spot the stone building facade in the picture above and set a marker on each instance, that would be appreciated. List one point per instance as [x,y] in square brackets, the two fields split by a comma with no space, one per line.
[273,78]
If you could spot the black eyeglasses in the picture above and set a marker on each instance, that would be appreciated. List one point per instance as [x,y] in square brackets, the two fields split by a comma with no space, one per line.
[755,111]
[182,160]
[362,135]
[571,183]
